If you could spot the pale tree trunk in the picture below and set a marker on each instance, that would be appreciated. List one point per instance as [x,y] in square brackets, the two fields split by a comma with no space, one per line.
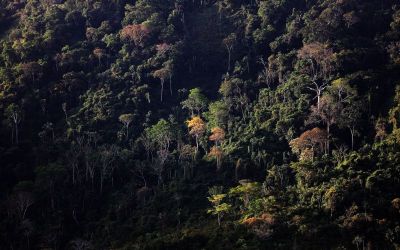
[162,89]
[197,143]
[229,58]
[16,120]
[318,89]
[352,131]
[328,126]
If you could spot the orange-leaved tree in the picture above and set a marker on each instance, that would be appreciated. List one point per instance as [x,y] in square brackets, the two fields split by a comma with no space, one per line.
[218,154]
[310,142]
[217,135]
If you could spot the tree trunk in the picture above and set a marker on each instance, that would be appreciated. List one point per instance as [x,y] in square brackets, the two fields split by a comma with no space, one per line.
[352,138]
[170,85]
[197,144]
[162,89]
[328,126]
[229,60]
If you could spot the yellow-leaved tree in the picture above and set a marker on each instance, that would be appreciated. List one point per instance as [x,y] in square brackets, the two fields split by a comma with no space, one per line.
[197,128]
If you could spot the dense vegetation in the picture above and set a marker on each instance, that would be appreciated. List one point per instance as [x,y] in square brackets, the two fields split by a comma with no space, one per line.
[199,124]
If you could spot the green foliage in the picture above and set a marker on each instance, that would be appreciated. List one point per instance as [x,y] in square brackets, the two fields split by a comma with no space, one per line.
[217,114]
[196,101]
[298,102]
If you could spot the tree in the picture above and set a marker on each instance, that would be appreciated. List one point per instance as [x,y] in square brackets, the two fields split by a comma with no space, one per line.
[107,156]
[380,129]
[196,101]
[334,195]
[72,157]
[309,143]
[169,67]
[218,114]
[218,154]
[273,70]
[217,135]
[187,154]
[394,113]
[219,208]
[350,117]
[14,114]
[136,33]
[197,127]
[320,65]
[233,90]
[99,53]
[23,201]
[327,112]
[161,136]
[229,43]
[162,74]
[342,89]
[147,143]
[163,155]
[64,107]
[126,119]
[246,190]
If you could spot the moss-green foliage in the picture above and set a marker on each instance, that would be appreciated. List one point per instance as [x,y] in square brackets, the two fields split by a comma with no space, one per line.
[95,149]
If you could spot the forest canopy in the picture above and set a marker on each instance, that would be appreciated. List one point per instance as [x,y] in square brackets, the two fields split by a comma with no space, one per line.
[199,124]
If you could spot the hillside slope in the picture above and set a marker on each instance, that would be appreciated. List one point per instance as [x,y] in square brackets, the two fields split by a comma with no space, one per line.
[199,124]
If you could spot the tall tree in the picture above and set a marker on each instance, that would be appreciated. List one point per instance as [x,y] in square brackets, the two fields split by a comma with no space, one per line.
[107,155]
[350,118]
[217,114]
[218,154]
[229,43]
[197,128]
[196,101]
[217,135]
[319,66]
[163,74]
[219,207]
[327,112]
[161,134]
[14,114]
[126,119]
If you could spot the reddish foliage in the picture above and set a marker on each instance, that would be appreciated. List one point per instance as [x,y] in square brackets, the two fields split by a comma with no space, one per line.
[136,33]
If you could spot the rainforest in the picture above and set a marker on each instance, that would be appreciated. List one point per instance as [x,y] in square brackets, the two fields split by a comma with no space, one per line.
[199,124]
